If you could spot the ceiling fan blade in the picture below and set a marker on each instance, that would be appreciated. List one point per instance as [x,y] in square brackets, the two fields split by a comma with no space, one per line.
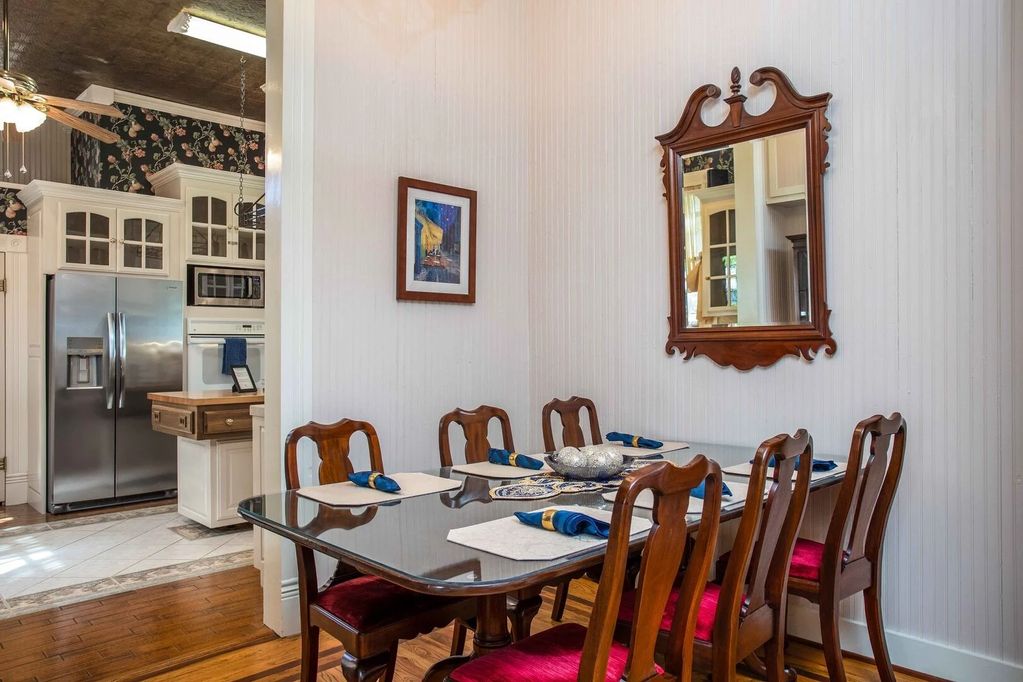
[79,105]
[91,129]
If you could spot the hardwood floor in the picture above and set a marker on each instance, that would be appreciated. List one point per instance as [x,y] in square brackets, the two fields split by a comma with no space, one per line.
[210,629]
[24,515]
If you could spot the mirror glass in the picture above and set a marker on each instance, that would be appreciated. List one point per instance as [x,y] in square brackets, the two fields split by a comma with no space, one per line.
[744,216]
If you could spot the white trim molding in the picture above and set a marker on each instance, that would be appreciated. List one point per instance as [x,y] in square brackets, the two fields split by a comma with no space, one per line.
[101,94]
[289,183]
[906,651]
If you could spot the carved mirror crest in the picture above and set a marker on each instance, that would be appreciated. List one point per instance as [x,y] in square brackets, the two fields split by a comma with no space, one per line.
[746,227]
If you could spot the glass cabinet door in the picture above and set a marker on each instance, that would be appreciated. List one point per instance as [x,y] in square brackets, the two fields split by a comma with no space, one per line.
[87,238]
[142,243]
[251,231]
[209,226]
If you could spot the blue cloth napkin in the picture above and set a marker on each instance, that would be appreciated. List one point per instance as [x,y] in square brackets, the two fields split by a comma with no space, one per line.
[818,464]
[565,522]
[699,490]
[514,459]
[372,479]
[235,353]
[634,441]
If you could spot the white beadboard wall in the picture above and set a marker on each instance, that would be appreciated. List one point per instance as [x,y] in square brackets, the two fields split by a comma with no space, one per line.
[549,109]
[435,91]
[924,251]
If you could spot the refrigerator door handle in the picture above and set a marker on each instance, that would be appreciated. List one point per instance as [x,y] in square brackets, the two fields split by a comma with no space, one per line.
[111,359]
[122,358]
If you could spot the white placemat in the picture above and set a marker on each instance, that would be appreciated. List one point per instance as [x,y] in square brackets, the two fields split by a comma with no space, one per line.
[502,471]
[645,499]
[512,539]
[642,453]
[746,468]
[348,494]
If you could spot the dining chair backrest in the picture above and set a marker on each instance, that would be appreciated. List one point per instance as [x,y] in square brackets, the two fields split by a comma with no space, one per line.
[475,427]
[758,566]
[570,412]
[661,558]
[333,447]
[866,497]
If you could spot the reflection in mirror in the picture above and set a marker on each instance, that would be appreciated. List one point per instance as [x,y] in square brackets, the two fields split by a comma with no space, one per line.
[744,215]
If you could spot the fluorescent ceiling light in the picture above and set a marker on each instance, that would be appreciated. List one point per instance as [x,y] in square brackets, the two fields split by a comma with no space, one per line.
[212,32]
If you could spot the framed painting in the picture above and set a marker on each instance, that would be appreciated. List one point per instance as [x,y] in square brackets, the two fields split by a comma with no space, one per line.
[436,242]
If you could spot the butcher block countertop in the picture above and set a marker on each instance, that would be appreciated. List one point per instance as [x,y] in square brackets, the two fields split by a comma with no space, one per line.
[205,398]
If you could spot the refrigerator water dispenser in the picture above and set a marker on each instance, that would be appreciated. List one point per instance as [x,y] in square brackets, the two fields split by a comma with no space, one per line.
[83,362]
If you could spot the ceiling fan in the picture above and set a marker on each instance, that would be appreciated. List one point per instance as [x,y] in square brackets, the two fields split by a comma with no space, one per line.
[22,105]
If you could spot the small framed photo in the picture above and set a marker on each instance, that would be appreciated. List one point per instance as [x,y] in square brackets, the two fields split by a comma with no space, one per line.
[243,381]
[436,242]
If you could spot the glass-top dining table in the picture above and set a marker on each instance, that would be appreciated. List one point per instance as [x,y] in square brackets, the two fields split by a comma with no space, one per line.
[406,541]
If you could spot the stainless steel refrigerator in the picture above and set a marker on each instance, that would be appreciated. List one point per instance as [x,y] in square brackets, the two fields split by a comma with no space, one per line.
[111,340]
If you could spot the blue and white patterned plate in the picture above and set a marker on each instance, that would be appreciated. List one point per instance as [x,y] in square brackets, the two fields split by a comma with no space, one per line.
[570,487]
[523,491]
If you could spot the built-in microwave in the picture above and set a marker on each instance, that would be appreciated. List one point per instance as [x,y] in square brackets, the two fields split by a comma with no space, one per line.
[230,287]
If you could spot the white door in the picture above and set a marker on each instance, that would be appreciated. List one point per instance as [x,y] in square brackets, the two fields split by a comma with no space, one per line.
[3,383]
[89,234]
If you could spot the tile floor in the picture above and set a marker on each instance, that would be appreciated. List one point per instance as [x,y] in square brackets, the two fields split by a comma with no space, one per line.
[110,551]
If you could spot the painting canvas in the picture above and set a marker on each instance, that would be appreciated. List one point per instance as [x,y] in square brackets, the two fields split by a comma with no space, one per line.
[436,242]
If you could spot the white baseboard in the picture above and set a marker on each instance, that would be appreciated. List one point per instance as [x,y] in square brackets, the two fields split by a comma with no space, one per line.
[290,623]
[906,650]
[17,489]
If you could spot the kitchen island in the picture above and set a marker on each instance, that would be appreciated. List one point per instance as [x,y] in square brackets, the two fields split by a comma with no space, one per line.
[214,430]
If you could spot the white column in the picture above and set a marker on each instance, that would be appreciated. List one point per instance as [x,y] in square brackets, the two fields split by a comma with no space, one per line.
[289,180]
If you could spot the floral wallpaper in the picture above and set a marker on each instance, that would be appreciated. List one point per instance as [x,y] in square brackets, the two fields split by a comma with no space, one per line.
[150,140]
[15,216]
[722,159]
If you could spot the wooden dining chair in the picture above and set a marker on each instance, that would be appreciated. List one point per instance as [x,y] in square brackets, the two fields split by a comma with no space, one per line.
[368,615]
[570,413]
[746,611]
[475,424]
[475,427]
[849,560]
[571,652]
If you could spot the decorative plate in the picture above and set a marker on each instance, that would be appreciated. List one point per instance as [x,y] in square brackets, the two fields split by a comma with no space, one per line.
[571,487]
[523,491]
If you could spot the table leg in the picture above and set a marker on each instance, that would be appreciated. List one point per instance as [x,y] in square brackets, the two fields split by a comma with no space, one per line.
[491,634]
[524,605]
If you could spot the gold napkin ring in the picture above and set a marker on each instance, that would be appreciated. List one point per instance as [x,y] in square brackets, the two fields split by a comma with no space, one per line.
[373,480]
[547,520]
[512,457]
[635,441]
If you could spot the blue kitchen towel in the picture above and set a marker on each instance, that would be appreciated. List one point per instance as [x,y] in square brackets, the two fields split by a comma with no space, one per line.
[565,522]
[818,464]
[634,441]
[514,459]
[698,491]
[235,353]
[377,481]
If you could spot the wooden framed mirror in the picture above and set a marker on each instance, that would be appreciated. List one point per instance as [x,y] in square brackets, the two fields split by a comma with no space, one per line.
[746,227]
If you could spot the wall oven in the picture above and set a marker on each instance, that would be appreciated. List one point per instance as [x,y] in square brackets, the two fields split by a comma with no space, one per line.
[229,287]
[205,358]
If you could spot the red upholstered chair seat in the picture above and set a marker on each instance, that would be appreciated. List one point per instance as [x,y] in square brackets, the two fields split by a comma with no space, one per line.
[807,558]
[368,602]
[549,656]
[705,618]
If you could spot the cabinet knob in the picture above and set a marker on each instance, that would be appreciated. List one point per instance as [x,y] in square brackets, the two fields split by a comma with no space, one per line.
[229,421]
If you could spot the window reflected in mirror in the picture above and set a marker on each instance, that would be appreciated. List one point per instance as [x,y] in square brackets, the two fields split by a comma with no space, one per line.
[744,219]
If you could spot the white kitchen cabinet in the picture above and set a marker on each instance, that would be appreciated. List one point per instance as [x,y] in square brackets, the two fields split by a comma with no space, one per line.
[213,477]
[213,232]
[83,228]
[786,167]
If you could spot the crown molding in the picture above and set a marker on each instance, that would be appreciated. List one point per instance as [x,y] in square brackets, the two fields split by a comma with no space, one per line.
[101,94]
